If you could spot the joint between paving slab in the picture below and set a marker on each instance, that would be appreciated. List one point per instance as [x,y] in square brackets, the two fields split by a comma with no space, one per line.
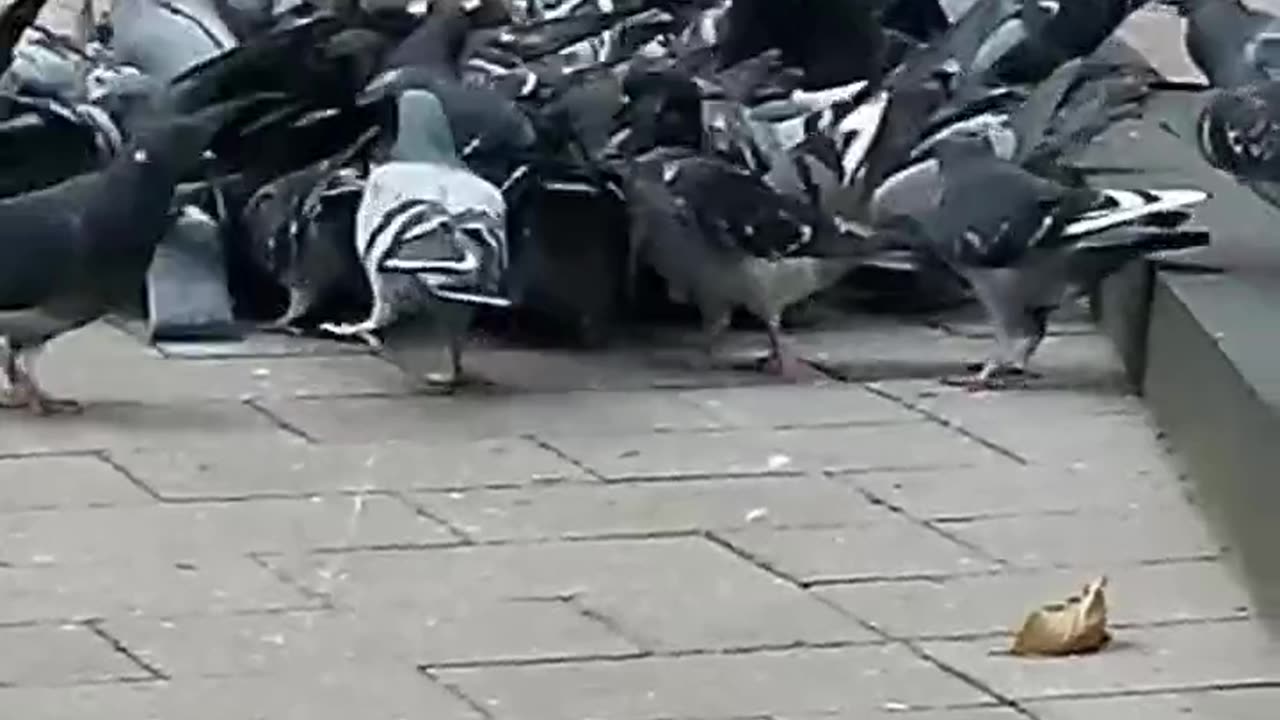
[118,645]
[634,655]
[308,593]
[105,457]
[1190,689]
[456,692]
[551,448]
[461,535]
[279,422]
[948,424]
[898,510]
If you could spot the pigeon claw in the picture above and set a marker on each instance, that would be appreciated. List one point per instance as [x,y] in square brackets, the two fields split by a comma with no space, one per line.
[39,403]
[452,382]
[989,377]
[280,327]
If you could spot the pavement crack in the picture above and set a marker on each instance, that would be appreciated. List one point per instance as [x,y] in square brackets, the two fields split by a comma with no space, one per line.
[584,609]
[95,627]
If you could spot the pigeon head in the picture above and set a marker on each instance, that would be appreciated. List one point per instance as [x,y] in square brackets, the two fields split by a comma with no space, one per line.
[663,108]
[422,130]
[963,144]
[178,144]
[1239,131]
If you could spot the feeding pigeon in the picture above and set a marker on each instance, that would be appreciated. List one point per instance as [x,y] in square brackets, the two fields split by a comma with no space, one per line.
[717,234]
[1025,243]
[430,233]
[74,249]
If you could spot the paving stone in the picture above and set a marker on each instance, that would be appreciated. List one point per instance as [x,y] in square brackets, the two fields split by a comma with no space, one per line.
[295,468]
[899,711]
[142,586]
[667,593]
[116,701]
[926,355]
[194,530]
[791,406]
[148,379]
[1241,704]
[334,693]
[297,643]
[627,365]
[888,548]
[1148,31]
[1140,660]
[368,692]
[1113,443]
[965,493]
[961,405]
[716,686]
[262,345]
[64,481]
[487,416]
[1100,538]
[578,510]
[137,425]
[55,656]
[745,452]
[999,603]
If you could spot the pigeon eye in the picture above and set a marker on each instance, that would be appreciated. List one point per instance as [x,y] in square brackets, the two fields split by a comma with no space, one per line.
[140,156]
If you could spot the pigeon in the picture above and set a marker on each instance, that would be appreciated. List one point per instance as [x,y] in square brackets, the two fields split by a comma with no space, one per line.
[834,42]
[1230,42]
[16,17]
[1238,132]
[164,37]
[74,249]
[1039,244]
[300,228]
[717,233]
[430,234]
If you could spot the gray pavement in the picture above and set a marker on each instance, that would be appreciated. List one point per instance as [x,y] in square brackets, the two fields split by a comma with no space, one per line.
[287,529]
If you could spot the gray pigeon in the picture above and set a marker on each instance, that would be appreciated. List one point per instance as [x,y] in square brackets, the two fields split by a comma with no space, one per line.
[1026,244]
[73,250]
[1231,43]
[431,235]
[1238,132]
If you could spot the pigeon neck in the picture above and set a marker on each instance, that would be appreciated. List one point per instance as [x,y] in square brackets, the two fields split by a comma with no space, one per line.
[422,131]
[439,41]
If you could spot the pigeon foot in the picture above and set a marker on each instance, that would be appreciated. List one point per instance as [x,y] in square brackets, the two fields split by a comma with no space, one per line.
[39,402]
[988,377]
[452,382]
[789,367]
[280,327]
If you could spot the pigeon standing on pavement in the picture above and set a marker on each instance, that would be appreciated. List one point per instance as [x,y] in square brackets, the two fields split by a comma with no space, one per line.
[1025,243]
[430,233]
[73,250]
[717,233]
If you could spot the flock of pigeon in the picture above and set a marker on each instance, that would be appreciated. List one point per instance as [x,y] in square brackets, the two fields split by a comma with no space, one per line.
[348,166]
